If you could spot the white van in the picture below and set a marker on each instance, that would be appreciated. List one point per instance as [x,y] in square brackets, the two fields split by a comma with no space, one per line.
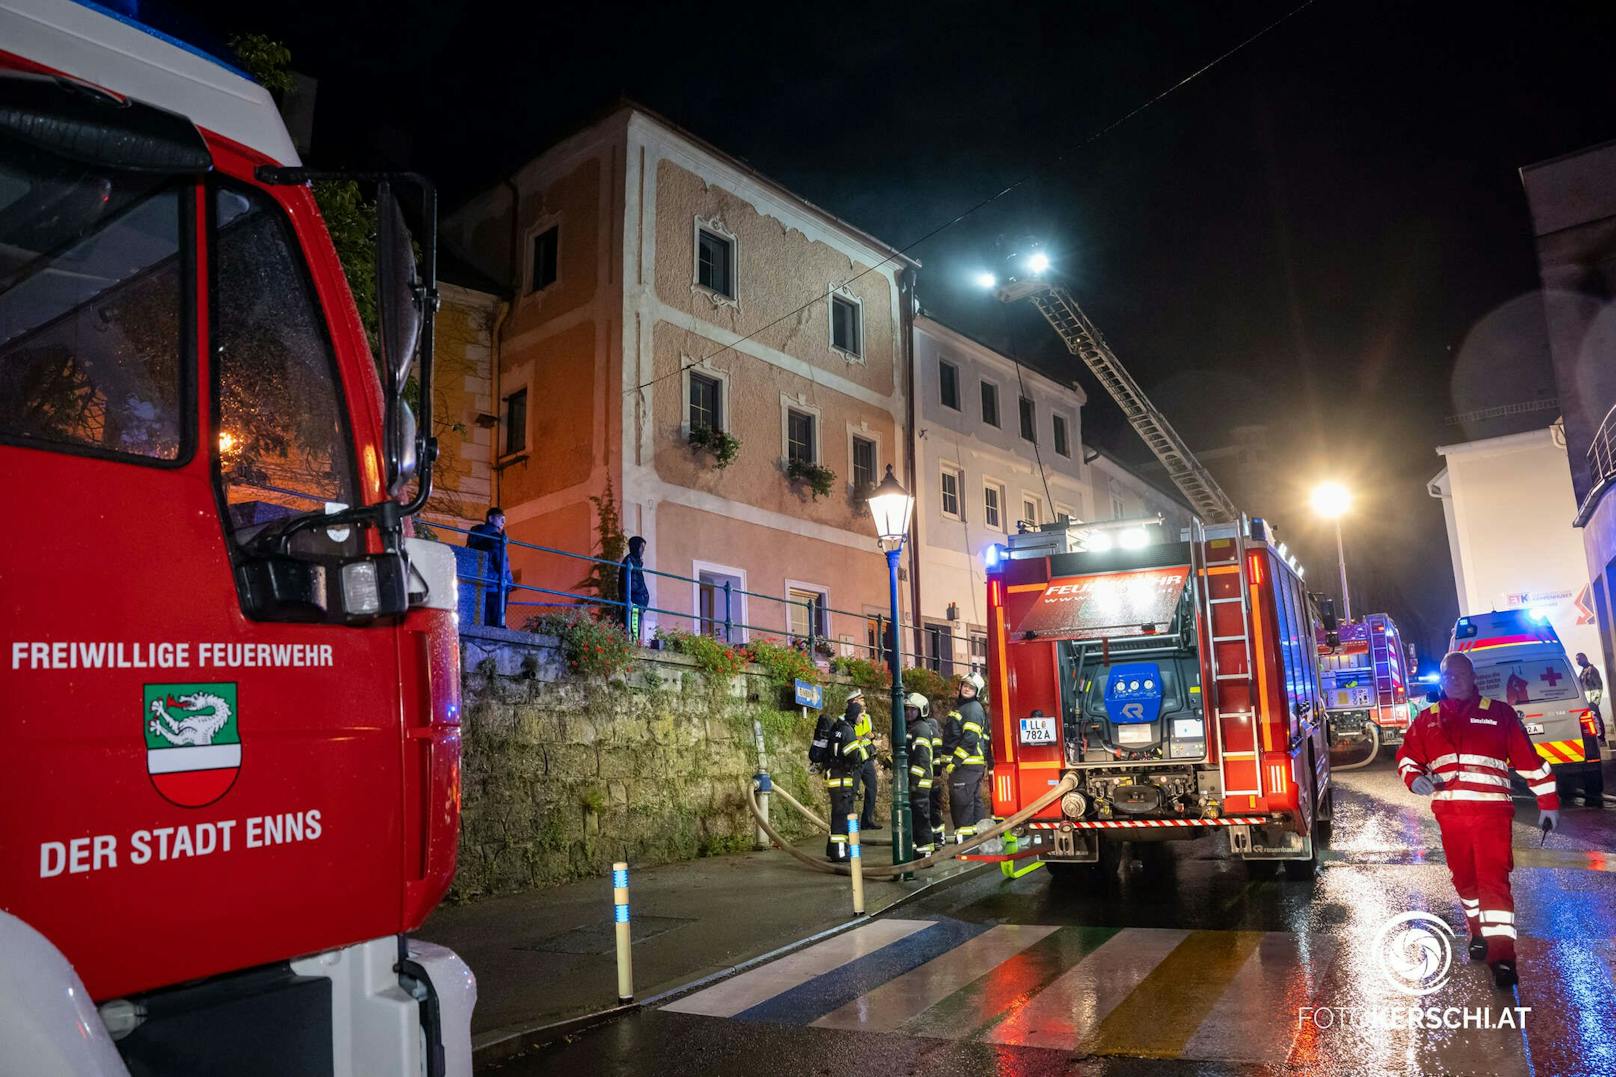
[1519,659]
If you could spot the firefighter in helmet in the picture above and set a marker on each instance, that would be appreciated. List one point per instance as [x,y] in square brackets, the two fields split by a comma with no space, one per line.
[1459,752]
[864,776]
[917,719]
[967,754]
[844,754]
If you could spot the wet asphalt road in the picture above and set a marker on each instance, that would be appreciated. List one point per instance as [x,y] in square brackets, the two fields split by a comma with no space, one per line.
[1178,964]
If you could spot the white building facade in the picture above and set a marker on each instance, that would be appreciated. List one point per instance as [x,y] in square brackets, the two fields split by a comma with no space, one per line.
[1510,510]
[995,444]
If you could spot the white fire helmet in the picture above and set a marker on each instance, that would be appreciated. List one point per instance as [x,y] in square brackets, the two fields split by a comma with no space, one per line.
[977,682]
[919,702]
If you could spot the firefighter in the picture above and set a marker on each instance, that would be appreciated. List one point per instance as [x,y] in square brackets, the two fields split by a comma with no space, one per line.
[917,718]
[939,777]
[1460,752]
[965,746]
[844,755]
[864,777]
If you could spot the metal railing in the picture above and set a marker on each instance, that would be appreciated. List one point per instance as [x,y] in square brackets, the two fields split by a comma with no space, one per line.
[1602,450]
[817,628]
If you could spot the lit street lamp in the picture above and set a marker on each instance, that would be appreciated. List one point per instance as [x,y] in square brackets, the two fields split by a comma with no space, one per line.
[891,507]
[1331,500]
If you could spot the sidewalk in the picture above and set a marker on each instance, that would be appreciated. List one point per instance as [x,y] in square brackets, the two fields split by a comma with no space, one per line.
[549,955]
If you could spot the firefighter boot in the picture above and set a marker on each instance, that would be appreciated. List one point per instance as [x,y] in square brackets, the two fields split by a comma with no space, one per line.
[1504,975]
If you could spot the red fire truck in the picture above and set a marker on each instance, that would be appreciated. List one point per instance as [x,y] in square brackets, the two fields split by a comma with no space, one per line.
[231,677]
[1365,677]
[1177,681]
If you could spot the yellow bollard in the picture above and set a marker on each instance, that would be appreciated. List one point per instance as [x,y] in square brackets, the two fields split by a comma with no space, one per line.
[856,861]
[625,957]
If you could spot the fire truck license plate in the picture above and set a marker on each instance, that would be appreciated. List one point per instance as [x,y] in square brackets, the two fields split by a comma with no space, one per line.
[1534,729]
[1038,731]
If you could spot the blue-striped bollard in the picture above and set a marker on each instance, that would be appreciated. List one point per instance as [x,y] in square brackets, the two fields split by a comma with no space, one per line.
[625,956]
[856,860]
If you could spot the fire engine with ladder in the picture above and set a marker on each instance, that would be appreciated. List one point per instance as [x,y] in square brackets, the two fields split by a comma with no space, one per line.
[1365,668]
[1174,683]
[232,675]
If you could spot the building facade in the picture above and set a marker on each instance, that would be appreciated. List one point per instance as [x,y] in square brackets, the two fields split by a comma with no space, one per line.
[463,411]
[1121,493]
[721,361]
[996,444]
[1573,205]
[1509,507]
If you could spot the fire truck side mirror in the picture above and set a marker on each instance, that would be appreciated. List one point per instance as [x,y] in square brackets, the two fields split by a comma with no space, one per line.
[400,295]
[1327,617]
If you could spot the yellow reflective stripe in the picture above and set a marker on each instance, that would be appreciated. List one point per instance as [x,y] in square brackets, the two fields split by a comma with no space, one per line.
[924,783]
[916,770]
[970,760]
[973,727]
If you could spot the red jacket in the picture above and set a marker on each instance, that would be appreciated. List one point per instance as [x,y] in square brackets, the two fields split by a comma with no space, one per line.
[1470,746]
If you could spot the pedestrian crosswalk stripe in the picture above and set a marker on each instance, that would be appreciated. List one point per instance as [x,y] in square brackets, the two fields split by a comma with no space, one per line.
[1213,996]
[742,992]
[834,989]
[1283,972]
[1064,1013]
[899,999]
[1007,987]
[1157,1019]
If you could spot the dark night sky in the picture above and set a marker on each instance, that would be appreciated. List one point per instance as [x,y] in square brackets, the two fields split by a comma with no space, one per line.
[1322,234]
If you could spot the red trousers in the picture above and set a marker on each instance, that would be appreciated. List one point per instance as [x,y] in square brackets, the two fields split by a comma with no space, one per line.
[1480,857]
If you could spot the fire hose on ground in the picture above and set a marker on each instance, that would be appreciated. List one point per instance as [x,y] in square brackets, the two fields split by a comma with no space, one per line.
[1373,733]
[947,852]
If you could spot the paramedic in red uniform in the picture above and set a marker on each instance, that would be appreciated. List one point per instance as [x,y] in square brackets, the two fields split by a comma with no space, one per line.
[1460,752]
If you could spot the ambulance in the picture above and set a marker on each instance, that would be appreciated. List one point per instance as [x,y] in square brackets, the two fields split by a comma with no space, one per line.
[1519,659]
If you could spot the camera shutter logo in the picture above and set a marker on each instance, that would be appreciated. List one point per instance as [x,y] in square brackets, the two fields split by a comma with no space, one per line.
[1415,952]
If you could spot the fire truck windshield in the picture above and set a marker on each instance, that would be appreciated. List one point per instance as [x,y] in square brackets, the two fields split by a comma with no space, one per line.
[92,306]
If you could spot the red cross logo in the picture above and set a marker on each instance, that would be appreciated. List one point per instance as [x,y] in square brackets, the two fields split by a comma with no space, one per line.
[1551,676]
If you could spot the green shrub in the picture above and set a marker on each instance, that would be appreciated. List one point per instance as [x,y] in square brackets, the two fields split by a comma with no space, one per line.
[714,657]
[724,446]
[862,672]
[783,662]
[934,686]
[588,646]
[819,478]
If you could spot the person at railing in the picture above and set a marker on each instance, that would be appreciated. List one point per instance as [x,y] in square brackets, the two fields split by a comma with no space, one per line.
[489,537]
[631,588]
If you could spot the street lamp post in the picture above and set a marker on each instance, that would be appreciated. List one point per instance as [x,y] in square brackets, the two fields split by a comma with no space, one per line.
[891,507]
[1332,500]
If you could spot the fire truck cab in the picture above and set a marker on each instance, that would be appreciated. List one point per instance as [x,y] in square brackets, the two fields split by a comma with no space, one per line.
[1177,681]
[231,675]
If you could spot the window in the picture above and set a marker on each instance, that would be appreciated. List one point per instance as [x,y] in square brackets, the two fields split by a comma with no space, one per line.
[846,334]
[283,443]
[706,402]
[948,380]
[939,657]
[801,442]
[1029,421]
[990,403]
[1029,510]
[719,604]
[863,463]
[1061,446]
[95,318]
[515,422]
[993,505]
[1066,512]
[1118,508]
[715,262]
[542,271]
[951,491]
[805,612]
[979,646]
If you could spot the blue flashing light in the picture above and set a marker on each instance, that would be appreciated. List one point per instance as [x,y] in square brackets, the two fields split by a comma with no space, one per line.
[993,556]
[1429,678]
[1538,614]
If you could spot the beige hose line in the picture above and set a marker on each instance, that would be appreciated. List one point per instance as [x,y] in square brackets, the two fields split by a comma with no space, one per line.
[888,871]
[775,789]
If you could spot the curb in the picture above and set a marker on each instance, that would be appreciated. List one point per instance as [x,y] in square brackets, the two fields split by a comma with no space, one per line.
[500,1044]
